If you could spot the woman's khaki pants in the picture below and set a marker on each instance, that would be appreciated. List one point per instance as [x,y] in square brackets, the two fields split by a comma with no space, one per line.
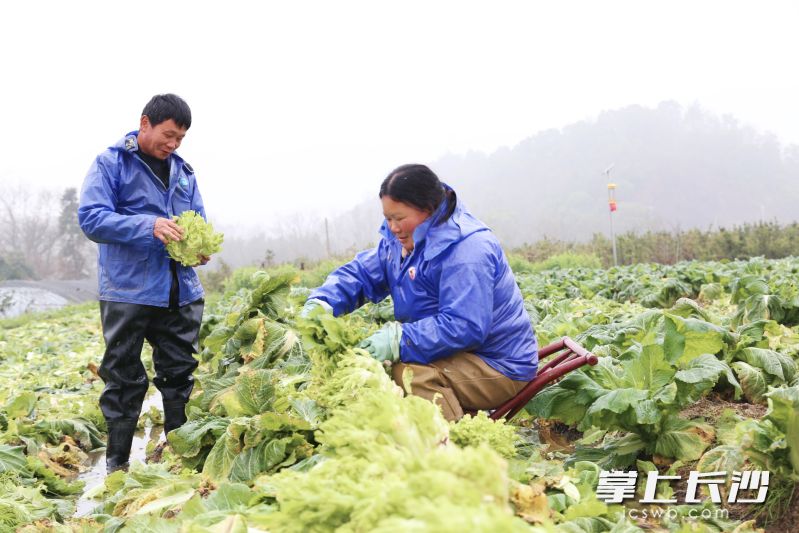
[459,382]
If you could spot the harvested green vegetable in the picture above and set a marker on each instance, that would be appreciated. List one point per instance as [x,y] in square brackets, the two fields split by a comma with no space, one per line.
[199,239]
[473,431]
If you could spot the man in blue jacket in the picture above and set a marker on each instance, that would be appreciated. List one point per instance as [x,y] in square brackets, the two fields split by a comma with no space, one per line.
[129,197]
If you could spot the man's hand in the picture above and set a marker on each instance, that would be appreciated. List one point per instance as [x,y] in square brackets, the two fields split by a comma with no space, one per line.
[166,230]
[204,259]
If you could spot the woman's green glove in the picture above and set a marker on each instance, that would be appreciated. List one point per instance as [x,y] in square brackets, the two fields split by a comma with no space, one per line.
[385,344]
[312,304]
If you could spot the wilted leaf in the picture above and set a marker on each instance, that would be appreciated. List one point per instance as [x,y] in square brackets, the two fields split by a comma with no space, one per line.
[21,404]
[12,458]
[683,439]
[530,502]
[752,380]
[721,459]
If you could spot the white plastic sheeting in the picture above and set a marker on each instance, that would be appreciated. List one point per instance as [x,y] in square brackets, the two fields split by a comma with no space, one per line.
[18,297]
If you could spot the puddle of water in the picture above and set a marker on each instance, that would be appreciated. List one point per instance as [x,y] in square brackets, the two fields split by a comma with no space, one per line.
[96,474]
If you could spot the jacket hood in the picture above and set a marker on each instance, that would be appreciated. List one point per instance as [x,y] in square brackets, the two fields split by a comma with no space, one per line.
[438,237]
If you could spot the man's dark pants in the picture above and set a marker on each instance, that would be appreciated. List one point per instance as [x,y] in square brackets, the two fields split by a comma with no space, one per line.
[174,335]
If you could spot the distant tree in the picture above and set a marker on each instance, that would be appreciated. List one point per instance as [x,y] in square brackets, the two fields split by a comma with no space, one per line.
[28,230]
[72,244]
[14,267]
[269,258]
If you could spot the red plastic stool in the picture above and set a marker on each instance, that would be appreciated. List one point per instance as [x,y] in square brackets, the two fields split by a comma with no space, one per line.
[568,356]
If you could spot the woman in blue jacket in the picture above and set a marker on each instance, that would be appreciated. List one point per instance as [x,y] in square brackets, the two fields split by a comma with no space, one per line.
[462,328]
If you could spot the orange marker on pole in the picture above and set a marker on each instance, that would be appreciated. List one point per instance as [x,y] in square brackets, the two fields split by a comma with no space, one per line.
[613,207]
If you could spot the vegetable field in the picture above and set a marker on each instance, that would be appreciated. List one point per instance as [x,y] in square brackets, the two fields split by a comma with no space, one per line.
[291,427]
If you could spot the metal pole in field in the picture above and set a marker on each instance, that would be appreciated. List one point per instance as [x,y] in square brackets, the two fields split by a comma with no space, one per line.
[327,239]
[612,206]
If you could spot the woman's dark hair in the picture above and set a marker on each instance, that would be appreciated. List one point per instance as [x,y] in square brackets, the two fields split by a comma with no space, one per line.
[419,187]
[162,107]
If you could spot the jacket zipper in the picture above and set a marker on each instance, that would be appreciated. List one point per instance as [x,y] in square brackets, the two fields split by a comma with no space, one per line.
[160,183]
[404,263]
[168,207]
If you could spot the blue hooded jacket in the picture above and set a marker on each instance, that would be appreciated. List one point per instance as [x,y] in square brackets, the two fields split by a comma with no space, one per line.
[119,202]
[454,292]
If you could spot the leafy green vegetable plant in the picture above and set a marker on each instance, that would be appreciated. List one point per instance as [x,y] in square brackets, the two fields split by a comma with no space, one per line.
[199,239]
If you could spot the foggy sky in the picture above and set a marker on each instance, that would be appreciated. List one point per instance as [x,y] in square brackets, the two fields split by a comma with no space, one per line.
[305,107]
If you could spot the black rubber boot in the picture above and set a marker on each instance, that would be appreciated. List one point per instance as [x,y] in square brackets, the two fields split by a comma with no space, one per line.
[120,439]
[174,415]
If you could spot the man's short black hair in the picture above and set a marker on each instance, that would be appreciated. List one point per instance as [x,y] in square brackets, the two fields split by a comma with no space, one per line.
[162,107]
